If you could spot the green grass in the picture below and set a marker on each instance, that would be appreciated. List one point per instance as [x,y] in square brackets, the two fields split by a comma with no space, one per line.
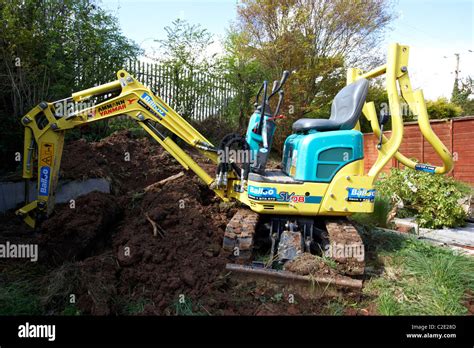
[136,307]
[419,278]
[278,297]
[382,207]
[336,308]
[71,310]
[186,308]
[329,262]
[20,288]
[19,298]
[387,304]
[57,287]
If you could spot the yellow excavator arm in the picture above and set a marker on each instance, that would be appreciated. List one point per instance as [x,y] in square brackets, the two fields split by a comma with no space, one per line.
[45,130]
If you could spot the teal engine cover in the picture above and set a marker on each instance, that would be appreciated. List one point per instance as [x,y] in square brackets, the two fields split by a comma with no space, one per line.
[318,156]
[256,140]
[260,144]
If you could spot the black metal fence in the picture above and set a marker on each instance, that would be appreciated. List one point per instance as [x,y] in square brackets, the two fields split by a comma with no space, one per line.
[195,95]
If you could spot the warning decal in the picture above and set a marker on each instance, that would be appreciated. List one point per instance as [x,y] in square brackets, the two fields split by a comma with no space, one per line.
[46,154]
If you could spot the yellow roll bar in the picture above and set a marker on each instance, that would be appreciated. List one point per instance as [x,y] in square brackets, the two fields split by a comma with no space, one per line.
[397,79]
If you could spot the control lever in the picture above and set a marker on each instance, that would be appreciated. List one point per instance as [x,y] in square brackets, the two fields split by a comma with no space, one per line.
[275,86]
[383,119]
[284,77]
[258,95]
[280,99]
[264,104]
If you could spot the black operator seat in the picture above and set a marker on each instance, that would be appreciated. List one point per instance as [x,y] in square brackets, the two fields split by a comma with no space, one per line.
[346,109]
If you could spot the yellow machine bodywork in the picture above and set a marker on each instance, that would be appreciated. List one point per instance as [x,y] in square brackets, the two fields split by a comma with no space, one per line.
[44,139]
[311,198]
[333,195]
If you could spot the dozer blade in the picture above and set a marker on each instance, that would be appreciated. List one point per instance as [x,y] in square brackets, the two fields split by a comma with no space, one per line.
[309,286]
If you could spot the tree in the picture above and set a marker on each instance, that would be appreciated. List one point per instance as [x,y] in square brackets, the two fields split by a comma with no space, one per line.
[186,44]
[244,73]
[461,95]
[315,39]
[49,49]
[442,108]
[193,71]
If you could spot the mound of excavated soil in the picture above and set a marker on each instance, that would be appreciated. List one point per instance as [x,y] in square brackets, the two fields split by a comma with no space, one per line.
[156,271]
[129,163]
[104,250]
[187,259]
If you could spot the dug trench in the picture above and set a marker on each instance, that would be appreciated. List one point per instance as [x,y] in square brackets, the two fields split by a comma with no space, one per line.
[103,257]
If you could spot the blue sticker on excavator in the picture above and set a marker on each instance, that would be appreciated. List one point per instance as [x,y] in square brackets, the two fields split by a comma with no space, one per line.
[45,172]
[360,194]
[425,168]
[262,193]
[151,102]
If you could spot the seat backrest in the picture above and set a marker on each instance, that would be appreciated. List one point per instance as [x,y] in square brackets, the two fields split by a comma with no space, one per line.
[347,104]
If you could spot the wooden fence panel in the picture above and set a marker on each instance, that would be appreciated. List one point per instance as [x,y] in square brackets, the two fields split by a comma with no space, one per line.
[457,134]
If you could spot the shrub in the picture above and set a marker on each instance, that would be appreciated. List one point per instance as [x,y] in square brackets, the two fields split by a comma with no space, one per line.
[442,108]
[121,123]
[382,207]
[432,199]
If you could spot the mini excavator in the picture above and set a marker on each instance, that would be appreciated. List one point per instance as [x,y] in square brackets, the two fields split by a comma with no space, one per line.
[300,208]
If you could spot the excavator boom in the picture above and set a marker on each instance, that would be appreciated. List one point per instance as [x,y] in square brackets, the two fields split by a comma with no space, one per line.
[45,127]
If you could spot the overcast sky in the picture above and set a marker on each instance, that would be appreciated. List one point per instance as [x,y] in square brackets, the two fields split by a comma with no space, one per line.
[434,29]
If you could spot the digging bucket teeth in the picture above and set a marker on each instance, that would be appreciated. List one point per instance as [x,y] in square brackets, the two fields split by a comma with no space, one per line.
[305,286]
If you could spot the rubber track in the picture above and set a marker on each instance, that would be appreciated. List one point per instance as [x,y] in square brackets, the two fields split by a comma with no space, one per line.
[343,235]
[240,232]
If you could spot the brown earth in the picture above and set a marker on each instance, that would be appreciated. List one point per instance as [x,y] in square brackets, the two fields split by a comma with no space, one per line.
[147,163]
[308,264]
[104,251]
